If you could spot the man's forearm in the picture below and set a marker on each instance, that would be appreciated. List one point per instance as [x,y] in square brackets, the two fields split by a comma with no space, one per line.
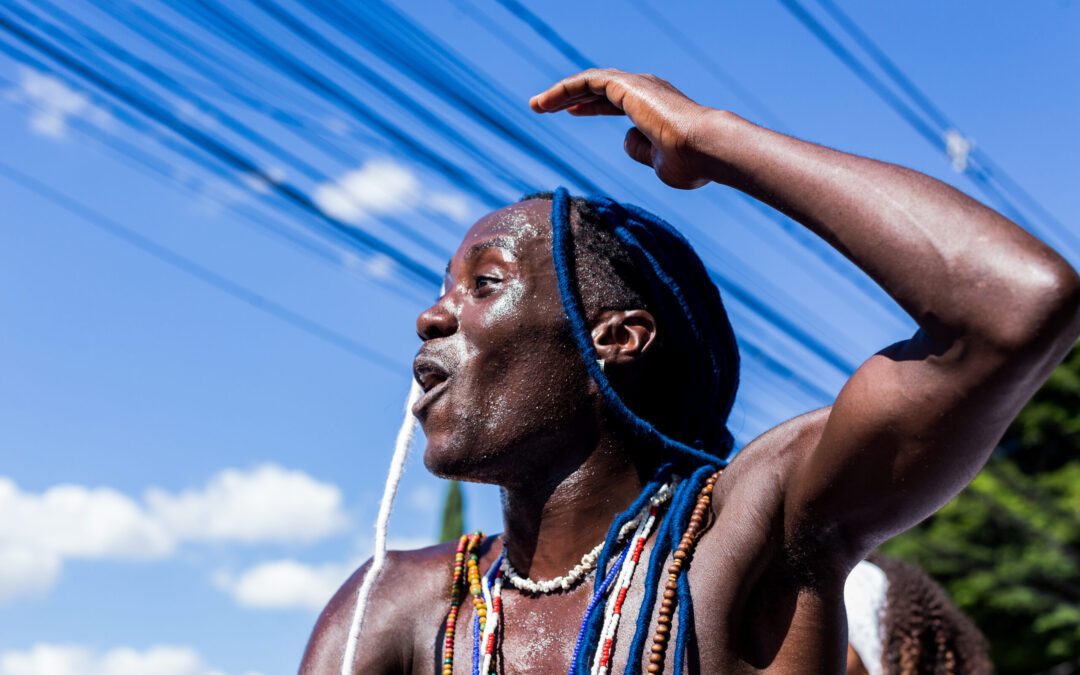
[958,267]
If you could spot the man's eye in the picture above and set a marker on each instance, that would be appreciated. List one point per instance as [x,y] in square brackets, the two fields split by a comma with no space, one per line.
[482,282]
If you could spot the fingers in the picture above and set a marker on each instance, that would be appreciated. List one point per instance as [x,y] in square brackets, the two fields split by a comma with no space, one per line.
[638,146]
[588,85]
[598,107]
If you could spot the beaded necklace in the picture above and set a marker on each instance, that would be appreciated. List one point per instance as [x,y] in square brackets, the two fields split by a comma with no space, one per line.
[681,558]
[467,547]
[486,590]
[588,561]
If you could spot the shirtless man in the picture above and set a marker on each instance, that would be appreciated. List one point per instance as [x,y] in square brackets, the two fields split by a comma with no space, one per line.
[511,404]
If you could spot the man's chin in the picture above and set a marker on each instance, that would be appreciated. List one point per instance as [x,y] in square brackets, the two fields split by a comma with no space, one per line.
[453,463]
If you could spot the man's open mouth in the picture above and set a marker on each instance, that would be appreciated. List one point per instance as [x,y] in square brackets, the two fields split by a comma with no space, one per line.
[432,377]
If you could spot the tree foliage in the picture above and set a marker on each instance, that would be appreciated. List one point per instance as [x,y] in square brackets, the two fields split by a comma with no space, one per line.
[1008,547]
[453,517]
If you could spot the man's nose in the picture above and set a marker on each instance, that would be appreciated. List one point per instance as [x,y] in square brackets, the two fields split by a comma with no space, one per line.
[436,321]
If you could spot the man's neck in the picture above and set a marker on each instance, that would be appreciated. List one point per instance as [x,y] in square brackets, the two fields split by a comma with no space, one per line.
[549,528]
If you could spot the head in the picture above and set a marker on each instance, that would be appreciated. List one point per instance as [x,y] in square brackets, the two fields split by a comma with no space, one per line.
[507,388]
[925,632]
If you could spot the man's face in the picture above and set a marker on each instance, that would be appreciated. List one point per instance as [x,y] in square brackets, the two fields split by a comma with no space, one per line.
[505,388]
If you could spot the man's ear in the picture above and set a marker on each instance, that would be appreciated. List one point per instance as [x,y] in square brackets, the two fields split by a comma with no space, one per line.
[623,336]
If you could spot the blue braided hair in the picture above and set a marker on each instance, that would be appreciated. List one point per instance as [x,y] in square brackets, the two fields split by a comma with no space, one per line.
[701,364]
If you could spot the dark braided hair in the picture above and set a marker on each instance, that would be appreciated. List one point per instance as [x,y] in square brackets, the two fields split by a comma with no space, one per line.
[925,634]
[614,256]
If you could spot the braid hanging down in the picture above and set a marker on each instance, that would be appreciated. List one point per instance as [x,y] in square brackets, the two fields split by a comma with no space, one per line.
[687,305]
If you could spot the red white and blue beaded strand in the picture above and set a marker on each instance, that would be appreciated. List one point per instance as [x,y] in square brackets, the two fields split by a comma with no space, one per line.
[486,591]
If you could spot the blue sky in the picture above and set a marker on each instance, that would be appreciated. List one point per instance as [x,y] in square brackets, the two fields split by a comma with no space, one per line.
[186,476]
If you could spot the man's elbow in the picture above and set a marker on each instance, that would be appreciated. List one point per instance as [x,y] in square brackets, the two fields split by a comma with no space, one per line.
[1044,316]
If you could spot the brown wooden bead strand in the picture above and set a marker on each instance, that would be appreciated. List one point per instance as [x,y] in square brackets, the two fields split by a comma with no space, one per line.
[680,558]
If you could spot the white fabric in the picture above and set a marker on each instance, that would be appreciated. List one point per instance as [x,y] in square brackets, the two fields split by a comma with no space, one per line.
[864,599]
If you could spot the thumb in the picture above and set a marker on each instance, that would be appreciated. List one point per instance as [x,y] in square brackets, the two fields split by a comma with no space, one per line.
[638,146]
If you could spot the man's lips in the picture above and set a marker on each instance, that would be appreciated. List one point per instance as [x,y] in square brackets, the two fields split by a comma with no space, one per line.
[432,376]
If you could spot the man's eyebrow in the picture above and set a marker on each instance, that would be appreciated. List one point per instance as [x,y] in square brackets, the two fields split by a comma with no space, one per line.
[498,242]
[479,247]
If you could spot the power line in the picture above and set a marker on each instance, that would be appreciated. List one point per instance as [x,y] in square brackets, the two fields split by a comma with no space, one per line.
[916,121]
[218,150]
[245,132]
[745,296]
[194,269]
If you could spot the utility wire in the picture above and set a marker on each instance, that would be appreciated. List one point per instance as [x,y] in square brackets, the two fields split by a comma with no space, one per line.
[218,150]
[717,71]
[194,269]
[175,88]
[726,282]
[930,109]
[916,121]
[50,54]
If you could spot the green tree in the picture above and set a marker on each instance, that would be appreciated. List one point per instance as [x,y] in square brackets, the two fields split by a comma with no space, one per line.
[453,517]
[1008,547]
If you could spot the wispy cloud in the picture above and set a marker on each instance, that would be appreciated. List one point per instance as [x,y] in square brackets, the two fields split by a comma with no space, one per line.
[61,659]
[284,584]
[265,504]
[51,103]
[291,584]
[383,186]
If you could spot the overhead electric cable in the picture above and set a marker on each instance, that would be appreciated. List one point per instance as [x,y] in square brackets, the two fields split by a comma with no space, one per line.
[154,74]
[930,109]
[920,125]
[198,271]
[825,254]
[711,65]
[834,362]
[218,150]
[548,33]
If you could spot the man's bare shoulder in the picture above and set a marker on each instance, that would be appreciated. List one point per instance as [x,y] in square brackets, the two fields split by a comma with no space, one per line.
[412,585]
[781,448]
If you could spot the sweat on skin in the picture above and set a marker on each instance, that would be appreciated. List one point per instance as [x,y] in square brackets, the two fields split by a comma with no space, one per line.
[507,400]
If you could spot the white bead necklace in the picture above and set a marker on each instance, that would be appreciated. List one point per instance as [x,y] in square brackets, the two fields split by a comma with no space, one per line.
[588,561]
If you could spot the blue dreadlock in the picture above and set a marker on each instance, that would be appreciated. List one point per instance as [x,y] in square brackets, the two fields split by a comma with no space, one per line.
[687,304]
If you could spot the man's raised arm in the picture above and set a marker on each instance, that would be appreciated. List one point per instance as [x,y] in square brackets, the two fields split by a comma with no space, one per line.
[996,308]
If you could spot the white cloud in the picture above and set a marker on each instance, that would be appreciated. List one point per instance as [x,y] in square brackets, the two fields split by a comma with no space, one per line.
[379,266]
[26,572]
[257,183]
[450,204]
[73,520]
[285,584]
[379,186]
[385,186]
[290,584]
[265,504]
[268,503]
[192,114]
[52,103]
[54,659]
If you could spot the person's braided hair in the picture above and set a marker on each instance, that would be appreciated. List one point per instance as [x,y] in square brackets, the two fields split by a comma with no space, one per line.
[925,634]
[607,253]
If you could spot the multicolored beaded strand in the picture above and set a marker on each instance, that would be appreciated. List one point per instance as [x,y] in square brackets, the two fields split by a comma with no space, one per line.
[467,546]
[475,589]
[681,557]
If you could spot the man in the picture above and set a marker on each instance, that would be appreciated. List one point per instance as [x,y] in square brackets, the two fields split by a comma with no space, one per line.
[509,400]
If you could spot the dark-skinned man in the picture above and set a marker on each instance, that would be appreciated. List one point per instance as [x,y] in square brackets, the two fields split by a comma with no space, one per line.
[508,401]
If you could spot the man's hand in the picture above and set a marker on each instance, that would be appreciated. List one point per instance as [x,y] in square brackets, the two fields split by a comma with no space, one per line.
[667,124]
